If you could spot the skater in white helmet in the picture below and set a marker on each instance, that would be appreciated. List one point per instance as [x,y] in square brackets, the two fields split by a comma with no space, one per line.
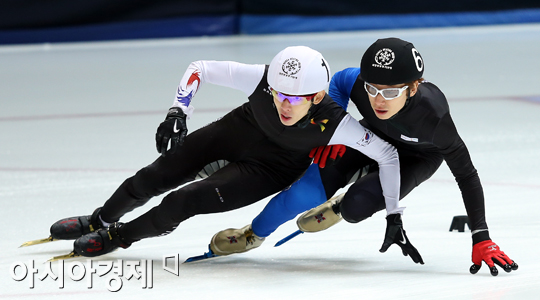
[266,141]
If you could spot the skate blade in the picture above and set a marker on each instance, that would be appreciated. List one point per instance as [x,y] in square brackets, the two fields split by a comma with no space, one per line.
[206,256]
[37,242]
[73,254]
[201,258]
[288,238]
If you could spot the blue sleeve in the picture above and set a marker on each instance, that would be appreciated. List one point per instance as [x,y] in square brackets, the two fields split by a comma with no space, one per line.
[341,85]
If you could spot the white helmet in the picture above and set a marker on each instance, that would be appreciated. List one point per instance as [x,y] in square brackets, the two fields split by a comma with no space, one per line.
[299,71]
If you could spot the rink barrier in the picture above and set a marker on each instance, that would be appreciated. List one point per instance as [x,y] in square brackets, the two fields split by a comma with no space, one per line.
[260,24]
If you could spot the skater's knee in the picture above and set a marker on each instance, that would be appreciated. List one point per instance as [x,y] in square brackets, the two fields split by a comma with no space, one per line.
[359,206]
[354,218]
[352,213]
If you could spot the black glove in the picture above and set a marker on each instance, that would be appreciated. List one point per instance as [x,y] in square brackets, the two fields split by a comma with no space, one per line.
[174,128]
[395,234]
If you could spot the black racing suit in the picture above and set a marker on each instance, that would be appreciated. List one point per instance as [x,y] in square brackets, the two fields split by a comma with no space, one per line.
[423,133]
[265,156]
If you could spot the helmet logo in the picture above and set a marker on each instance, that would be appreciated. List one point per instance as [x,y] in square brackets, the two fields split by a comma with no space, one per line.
[326,67]
[384,58]
[418,60]
[291,67]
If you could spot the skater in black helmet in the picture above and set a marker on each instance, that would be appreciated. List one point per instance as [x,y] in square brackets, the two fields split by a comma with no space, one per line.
[413,115]
[266,140]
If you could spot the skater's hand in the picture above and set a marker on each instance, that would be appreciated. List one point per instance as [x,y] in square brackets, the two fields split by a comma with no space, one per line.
[395,234]
[321,154]
[174,128]
[491,254]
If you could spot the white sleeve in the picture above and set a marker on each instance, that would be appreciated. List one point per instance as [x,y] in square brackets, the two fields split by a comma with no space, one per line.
[351,133]
[231,74]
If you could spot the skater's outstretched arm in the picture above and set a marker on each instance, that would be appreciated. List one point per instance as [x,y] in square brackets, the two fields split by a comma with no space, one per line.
[235,75]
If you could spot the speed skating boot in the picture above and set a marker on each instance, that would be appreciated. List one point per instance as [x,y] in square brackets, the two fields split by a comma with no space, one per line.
[100,242]
[230,241]
[321,217]
[75,227]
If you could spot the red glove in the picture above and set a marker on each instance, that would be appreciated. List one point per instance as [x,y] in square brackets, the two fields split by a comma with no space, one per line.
[320,154]
[491,254]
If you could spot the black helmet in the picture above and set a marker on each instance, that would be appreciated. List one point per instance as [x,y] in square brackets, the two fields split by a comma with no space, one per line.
[391,61]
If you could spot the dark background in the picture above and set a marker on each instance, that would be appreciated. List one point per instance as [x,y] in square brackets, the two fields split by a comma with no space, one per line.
[27,21]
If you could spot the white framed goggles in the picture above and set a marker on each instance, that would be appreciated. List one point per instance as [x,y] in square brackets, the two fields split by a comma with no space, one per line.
[387,94]
[294,100]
